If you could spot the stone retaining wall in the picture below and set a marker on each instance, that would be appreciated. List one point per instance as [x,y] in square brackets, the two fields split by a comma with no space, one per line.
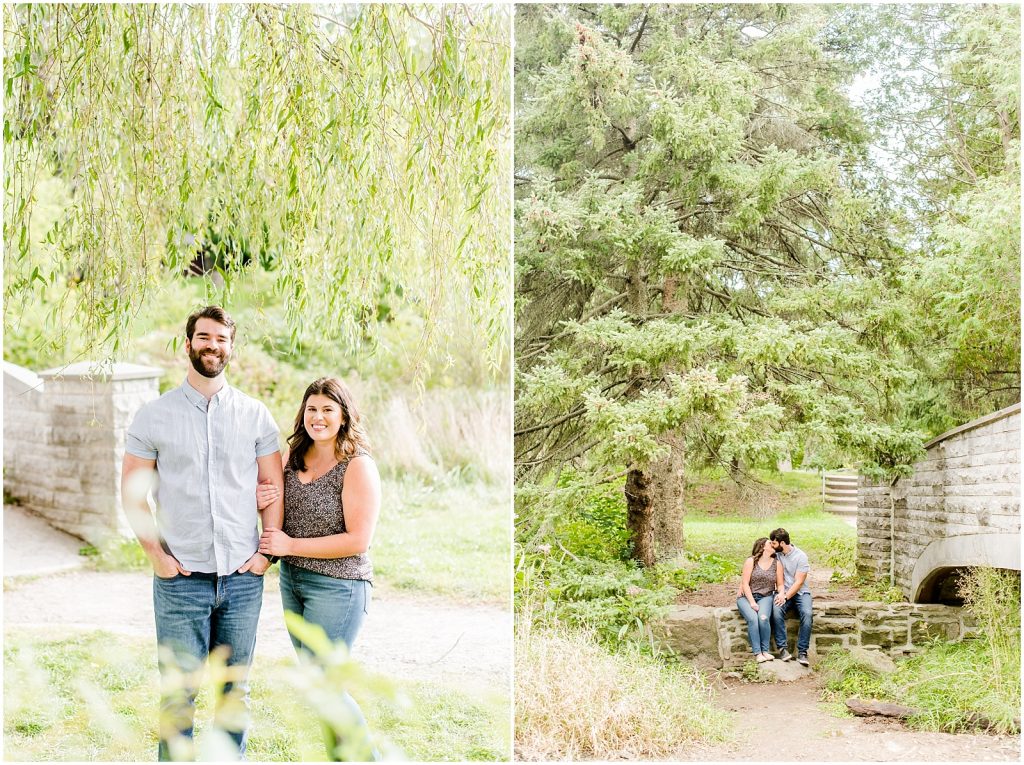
[967,485]
[64,433]
[717,637]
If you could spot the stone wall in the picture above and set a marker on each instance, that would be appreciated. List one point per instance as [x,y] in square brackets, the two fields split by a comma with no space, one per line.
[967,485]
[717,637]
[64,432]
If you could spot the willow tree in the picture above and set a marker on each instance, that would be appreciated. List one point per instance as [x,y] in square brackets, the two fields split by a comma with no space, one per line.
[700,268]
[358,151]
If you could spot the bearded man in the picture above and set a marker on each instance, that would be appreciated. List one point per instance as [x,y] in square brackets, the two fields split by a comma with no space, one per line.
[207,445]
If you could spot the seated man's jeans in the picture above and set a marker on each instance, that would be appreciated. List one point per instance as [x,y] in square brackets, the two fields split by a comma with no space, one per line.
[195,615]
[802,603]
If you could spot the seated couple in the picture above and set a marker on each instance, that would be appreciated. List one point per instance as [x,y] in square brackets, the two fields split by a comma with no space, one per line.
[774,580]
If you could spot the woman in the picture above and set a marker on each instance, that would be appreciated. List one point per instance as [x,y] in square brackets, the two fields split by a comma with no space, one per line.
[331,504]
[760,580]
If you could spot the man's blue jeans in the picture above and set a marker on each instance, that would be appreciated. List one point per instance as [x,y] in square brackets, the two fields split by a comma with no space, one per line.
[759,627]
[339,606]
[802,603]
[194,615]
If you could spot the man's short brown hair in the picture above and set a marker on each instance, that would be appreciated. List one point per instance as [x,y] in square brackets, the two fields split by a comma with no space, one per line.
[780,535]
[214,312]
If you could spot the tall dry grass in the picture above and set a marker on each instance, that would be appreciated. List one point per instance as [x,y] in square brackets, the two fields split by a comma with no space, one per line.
[576,701]
[444,431]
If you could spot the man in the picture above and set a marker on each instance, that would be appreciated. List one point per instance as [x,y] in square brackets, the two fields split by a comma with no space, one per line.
[797,594]
[207,445]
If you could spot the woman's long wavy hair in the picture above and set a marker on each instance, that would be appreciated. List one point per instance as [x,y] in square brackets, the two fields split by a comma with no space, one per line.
[351,436]
[759,544]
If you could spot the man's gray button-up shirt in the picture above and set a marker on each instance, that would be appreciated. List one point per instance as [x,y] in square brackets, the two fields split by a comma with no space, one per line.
[205,454]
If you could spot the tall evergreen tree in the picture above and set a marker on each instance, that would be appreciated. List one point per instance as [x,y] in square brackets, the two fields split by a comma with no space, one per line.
[700,267]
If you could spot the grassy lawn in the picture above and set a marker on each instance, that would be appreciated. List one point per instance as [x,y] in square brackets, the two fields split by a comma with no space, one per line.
[94,697]
[448,538]
[719,521]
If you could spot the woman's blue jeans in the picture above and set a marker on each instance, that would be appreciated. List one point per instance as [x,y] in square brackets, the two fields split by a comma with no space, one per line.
[339,606]
[759,623]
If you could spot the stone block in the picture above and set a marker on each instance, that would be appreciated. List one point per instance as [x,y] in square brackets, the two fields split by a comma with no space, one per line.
[739,647]
[844,609]
[876,637]
[835,626]
[692,632]
[875,616]
[1004,522]
[873,661]
[827,642]
[922,631]
[901,634]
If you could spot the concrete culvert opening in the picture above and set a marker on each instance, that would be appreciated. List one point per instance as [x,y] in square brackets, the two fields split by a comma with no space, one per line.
[943,587]
[936,575]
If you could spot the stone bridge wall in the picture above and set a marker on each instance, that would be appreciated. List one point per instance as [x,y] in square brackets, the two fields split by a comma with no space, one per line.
[64,435]
[717,637]
[960,507]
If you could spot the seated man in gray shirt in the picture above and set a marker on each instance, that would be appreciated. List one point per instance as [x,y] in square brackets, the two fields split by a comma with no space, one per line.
[797,594]
[207,445]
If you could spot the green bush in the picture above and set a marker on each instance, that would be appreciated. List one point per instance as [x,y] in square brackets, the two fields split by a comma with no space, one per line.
[586,539]
[841,556]
[613,599]
[708,568]
[874,590]
[595,527]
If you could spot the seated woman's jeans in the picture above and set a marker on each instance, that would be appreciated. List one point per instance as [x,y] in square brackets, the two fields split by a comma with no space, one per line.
[759,623]
[339,606]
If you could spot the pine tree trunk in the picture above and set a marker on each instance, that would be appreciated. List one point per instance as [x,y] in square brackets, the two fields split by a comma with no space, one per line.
[654,493]
[655,508]
[640,516]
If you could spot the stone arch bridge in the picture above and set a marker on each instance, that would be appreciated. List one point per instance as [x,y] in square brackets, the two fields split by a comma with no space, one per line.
[960,508]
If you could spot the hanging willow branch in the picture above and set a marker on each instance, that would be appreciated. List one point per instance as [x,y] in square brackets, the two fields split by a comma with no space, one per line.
[357,152]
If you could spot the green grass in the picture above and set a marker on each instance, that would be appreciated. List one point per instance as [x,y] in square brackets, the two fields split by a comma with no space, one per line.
[950,684]
[95,697]
[953,686]
[447,725]
[447,538]
[718,521]
[732,538]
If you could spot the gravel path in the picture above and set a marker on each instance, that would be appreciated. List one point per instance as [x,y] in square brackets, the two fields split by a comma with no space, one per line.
[468,647]
[784,722]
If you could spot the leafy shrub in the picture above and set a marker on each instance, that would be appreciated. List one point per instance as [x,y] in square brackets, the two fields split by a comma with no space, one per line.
[614,600]
[584,538]
[841,556]
[595,525]
[877,591]
[708,568]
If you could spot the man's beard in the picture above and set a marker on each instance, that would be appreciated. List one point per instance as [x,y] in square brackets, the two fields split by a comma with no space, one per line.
[208,363]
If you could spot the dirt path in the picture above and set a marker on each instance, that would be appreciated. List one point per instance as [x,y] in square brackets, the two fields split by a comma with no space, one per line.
[784,722]
[407,637]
